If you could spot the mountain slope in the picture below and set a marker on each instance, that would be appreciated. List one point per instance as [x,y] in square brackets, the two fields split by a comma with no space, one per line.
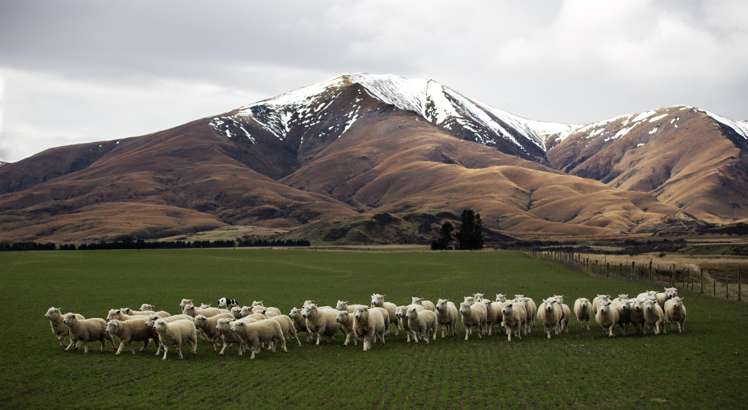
[376,158]
[684,156]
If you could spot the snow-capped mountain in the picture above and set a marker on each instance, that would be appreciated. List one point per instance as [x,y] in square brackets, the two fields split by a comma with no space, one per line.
[311,112]
[2,163]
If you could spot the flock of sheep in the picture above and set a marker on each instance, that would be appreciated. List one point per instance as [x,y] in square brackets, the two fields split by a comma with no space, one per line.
[256,327]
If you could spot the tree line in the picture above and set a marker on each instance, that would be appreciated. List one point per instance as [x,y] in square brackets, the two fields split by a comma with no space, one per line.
[468,236]
[142,244]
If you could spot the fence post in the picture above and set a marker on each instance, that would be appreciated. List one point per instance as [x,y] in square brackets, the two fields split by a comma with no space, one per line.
[740,287]
[701,279]
[650,269]
[714,287]
[727,289]
[672,275]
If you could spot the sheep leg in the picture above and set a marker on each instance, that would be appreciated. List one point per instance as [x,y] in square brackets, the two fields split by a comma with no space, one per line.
[160,346]
[223,348]
[508,334]
[179,351]
[70,345]
[283,344]
[610,330]
[85,348]
[318,337]
[145,345]
[548,333]
[296,336]
[415,335]
[166,351]
[194,345]
[119,349]
[347,339]
[680,328]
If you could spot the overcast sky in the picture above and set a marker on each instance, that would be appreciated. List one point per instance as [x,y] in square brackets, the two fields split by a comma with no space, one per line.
[74,71]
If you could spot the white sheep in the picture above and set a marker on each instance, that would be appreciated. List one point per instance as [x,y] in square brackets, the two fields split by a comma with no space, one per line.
[401,312]
[119,315]
[299,322]
[427,304]
[662,297]
[654,316]
[128,331]
[176,333]
[649,294]
[500,298]
[515,319]
[59,330]
[148,307]
[422,323]
[531,308]
[447,316]
[583,311]
[207,312]
[606,316]
[185,302]
[228,337]
[377,300]
[474,318]
[83,331]
[206,326]
[370,324]
[320,321]
[493,314]
[256,334]
[345,320]
[151,321]
[133,312]
[675,312]
[289,330]
[597,300]
[550,314]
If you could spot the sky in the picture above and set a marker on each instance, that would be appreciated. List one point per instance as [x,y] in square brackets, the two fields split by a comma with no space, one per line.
[87,70]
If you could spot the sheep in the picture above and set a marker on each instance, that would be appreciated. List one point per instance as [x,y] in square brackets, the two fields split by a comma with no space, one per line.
[133,330]
[427,304]
[151,321]
[119,315]
[255,334]
[473,317]
[550,313]
[447,315]
[650,294]
[623,305]
[515,317]
[320,321]
[206,326]
[133,312]
[653,316]
[566,317]
[299,322]
[468,299]
[377,300]
[345,320]
[345,305]
[176,333]
[370,325]
[531,309]
[582,311]
[271,311]
[289,330]
[493,314]
[422,323]
[86,330]
[227,336]
[597,300]
[185,302]
[247,310]
[257,303]
[227,303]
[636,315]
[606,316]
[401,312]
[237,312]
[59,330]
[675,312]
[500,298]
[148,307]
[207,312]
[662,297]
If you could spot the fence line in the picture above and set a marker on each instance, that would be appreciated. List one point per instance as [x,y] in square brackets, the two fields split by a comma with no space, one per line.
[730,287]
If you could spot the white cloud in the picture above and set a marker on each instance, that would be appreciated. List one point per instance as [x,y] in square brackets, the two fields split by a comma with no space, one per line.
[572,60]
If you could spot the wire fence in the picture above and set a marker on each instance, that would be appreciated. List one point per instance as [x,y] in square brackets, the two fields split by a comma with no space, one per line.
[718,283]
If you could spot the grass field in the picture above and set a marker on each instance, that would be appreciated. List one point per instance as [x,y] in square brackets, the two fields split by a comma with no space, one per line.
[706,367]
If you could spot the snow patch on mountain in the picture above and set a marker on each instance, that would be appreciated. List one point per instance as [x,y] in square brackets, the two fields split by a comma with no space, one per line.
[740,127]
